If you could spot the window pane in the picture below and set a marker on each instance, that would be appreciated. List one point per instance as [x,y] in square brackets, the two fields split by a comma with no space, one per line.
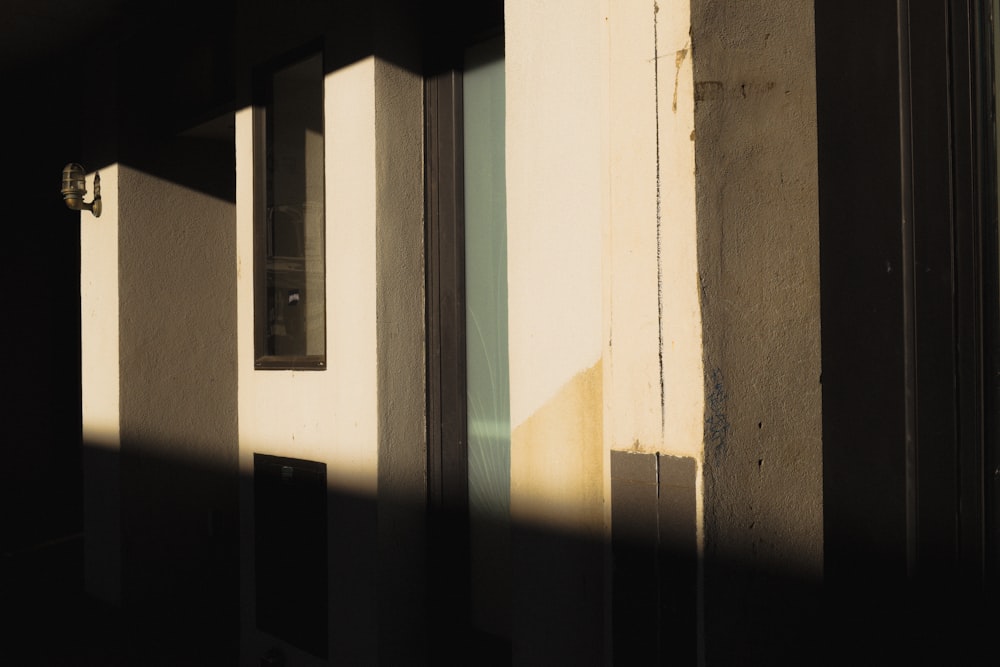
[294,282]
[488,380]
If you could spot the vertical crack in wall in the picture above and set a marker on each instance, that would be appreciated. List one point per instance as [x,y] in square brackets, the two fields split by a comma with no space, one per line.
[659,236]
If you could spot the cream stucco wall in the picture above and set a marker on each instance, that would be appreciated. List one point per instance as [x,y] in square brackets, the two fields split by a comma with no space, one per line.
[652,314]
[663,266]
[100,390]
[363,415]
[177,316]
[556,136]
[605,328]
[602,236]
[556,203]
[99,312]
[158,375]
[329,415]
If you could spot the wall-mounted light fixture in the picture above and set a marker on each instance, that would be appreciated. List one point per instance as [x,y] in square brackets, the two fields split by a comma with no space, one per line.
[74,187]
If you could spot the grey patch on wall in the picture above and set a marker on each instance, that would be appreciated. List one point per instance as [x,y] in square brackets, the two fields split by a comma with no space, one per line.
[707,90]
[716,421]
[654,555]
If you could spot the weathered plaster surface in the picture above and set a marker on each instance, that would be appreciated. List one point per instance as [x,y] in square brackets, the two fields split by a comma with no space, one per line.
[99,313]
[605,320]
[402,429]
[557,128]
[556,195]
[364,416]
[756,172]
[652,315]
[557,456]
[177,317]
[326,415]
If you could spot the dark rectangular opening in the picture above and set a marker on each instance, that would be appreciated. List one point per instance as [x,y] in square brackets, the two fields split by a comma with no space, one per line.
[290,550]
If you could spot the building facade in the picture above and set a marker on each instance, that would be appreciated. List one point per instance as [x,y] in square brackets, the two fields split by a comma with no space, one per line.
[590,332]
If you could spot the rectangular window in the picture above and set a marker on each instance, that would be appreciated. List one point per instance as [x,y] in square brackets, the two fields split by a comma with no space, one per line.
[289,271]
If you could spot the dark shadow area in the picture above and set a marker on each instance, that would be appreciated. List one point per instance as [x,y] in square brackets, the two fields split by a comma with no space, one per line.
[40,484]
[182,604]
[909,307]
[908,280]
[180,567]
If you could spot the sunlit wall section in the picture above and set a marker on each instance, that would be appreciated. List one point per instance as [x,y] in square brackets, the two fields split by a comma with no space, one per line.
[556,198]
[604,322]
[652,318]
[331,415]
[759,269]
[556,137]
[321,415]
[653,375]
[100,382]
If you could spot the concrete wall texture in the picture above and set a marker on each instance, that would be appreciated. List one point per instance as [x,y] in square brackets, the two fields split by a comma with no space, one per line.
[756,178]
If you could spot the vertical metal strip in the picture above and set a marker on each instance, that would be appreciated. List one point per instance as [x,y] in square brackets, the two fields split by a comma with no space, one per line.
[909,297]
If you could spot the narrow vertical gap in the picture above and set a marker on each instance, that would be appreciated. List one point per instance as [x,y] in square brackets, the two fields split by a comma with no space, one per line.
[957,311]
[657,554]
[991,300]
[909,330]
[965,309]
[432,275]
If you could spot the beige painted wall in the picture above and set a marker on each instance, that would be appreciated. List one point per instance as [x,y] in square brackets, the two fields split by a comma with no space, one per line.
[177,322]
[556,200]
[324,415]
[602,237]
[663,274]
[100,391]
[364,414]
[602,253]
[159,375]
[556,207]
[401,365]
[653,349]
[330,415]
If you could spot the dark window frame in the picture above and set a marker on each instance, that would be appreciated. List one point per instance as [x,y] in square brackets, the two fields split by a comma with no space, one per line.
[449,557]
[262,154]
